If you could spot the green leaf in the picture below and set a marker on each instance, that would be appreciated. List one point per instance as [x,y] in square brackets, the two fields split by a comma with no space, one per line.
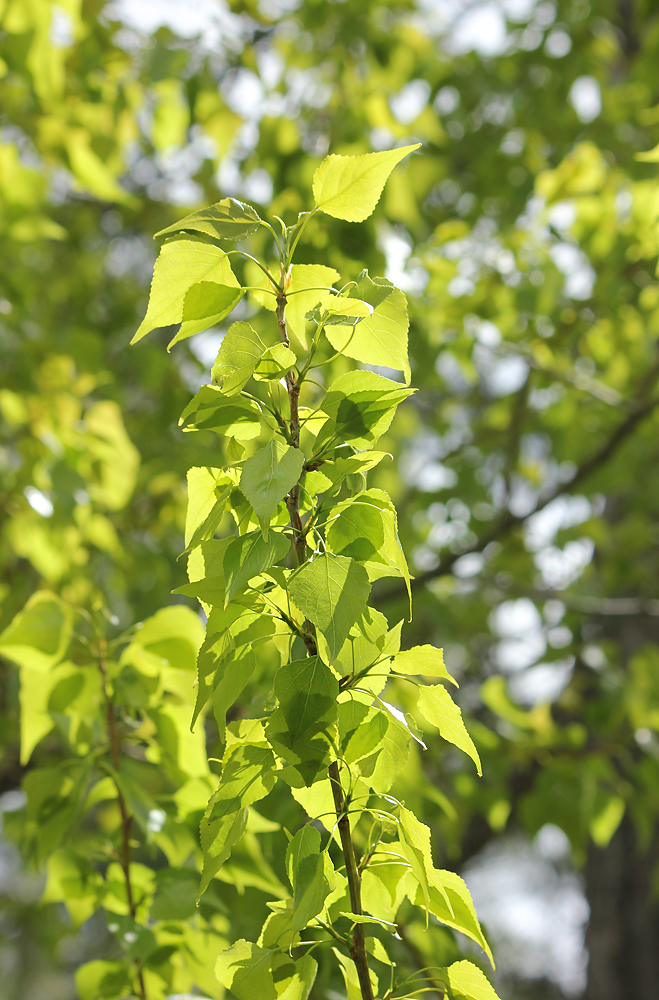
[193,284]
[349,187]
[239,354]
[353,465]
[380,338]
[301,728]
[248,774]
[249,555]
[371,290]
[366,529]
[231,416]
[421,661]
[302,295]
[208,492]
[268,476]
[361,406]
[331,591]
[386,762]
[415,841]
[311,875]
[437,706]
[451,902]
[467,982]
[228,219]
[254,973]
[276,362]
[102,980]
[231,678]
[39,635]
[351,979]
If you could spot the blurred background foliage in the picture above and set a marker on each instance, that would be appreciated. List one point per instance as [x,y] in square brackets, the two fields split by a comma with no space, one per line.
[526,237]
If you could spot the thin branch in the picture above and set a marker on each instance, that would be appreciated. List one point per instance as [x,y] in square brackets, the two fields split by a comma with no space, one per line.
[126,818]
[509,520]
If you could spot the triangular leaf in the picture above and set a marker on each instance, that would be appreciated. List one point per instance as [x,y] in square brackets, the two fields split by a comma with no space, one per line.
[467,982]
[302,295]
[239,354]
[311,874]
[268,476]
[421,661]
[182,264]
[361,406]
[228,219]
[249,555]
[437,706]
[380,338]
[349,187]
[231,416]
[331,591]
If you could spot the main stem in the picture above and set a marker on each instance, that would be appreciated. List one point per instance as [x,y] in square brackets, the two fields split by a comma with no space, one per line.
[358,948]
[126,818]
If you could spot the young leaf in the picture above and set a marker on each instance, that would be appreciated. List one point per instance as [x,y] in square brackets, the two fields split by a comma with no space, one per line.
[208,489]
[239,354]
[268,476]
[302,295]
[331,591]
[39,635]
[276,361]
[183,265]
[247,776]
[451,903]
[311,875]
[380,338]
[228,219]
[361,406]
[415,841]
[300,729]
[351,979]
[254,973]
[467,982]
[421,661]
[231,416]
[437,706]
[231,679]
[349,187]
[249,555]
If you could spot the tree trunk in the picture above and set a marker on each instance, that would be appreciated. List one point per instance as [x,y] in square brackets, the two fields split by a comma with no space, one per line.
[622,937]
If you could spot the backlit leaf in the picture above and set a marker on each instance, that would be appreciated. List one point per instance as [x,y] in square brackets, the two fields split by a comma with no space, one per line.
[228,219]
[251,554]
[467,982]
[380,338]
[425,661]
[332,592]
[268,476]
[311,875]
[231,416]
[239,354]
[349,187]
[437,706]
[361,406]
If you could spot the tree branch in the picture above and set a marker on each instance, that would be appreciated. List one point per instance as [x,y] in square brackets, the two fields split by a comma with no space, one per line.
[509,520]
[126,818]
[358,948]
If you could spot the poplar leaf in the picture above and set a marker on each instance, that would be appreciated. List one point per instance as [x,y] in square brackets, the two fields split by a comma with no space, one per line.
[425,661]
[361,406]
[311,875]
[38,636]
[230,416]
[205,488]
[249,555]
[239,354]
[467,982]
[351,979]
[331,591]
[255,973]
[451,903]
[302,295]
[276,361]
[268,476]
[228,219]
[437,706]
[349,187]
[380,338]
[231,679]
[248,774]
[183,265]
[415,841]
[301,728]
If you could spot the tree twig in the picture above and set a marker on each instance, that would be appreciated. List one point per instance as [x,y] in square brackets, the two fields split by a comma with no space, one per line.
[126,818]
[509,520]
[358,947]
